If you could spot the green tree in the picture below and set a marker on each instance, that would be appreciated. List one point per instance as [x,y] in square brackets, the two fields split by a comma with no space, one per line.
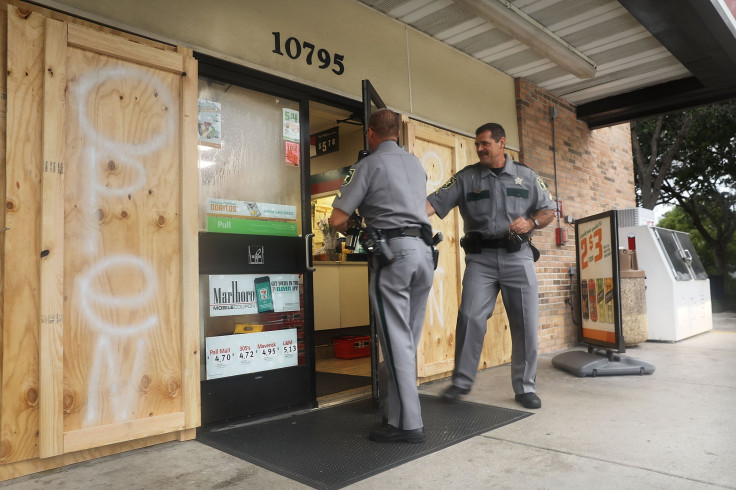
[689,159]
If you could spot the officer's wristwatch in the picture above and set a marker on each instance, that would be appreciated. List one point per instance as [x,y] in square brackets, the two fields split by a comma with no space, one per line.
[536,223]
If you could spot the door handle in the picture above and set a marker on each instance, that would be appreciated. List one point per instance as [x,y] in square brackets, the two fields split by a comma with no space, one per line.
[307,254]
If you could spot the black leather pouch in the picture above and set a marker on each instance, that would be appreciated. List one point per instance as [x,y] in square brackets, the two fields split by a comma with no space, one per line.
[513,242]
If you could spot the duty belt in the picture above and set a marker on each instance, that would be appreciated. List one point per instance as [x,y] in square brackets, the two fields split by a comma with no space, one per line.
[390,233]
[499,242]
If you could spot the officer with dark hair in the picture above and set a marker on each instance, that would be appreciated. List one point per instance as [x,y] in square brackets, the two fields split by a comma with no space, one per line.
[388,187]
[501,202]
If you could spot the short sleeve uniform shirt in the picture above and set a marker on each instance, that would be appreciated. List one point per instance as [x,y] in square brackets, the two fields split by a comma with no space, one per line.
[488,203]
[388,187]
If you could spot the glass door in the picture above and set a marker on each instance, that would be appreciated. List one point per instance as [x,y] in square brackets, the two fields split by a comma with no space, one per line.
[254,254]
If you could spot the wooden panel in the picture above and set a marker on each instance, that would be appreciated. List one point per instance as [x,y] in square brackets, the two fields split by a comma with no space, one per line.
[51,421]
[122,49]
[123,242]
[443,154]
[102,245]
[19,411]
[22,468]
[3,120]
[124,431]
[436,150]
[189,243]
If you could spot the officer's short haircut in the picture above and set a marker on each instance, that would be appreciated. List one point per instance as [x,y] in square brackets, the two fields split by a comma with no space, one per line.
[385,123]
[496,130]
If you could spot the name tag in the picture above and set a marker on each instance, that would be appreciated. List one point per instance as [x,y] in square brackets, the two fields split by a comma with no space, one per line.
[478,195]
[517,192]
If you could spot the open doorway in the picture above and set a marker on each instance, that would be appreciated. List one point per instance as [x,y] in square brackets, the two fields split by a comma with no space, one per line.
[341,306]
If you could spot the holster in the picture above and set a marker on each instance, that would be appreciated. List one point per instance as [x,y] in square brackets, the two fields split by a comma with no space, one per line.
[375,245]
[437,238]
[471,242]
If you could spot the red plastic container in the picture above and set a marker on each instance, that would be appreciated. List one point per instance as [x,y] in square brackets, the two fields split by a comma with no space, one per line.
[352,346]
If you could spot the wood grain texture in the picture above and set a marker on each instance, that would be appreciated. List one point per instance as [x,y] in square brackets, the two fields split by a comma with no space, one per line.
[3,128]
[27,467]
[51,421]
[19,411]
[123,49]
[189,243]
[100,186]
[123,242]
[444,153]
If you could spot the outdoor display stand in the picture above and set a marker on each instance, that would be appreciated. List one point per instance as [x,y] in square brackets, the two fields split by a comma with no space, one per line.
[599,290]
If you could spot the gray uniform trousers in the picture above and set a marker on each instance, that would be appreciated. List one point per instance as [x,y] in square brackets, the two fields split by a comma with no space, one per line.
[485,274]
[399,294]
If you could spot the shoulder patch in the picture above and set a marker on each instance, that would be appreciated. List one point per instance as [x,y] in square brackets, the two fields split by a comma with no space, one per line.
[450,182]
[349,177]
[541,184]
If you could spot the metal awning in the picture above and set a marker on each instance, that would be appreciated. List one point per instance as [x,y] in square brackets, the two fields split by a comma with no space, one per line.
[615,60]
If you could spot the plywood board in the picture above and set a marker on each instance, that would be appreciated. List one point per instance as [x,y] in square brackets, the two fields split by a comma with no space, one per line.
[21,319]
[122,234]
[101,194]
[444,153]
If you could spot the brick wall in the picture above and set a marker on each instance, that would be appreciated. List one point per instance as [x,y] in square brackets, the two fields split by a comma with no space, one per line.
[595,173]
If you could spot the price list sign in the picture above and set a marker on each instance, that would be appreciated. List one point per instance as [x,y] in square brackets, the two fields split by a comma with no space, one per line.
[598,280]
[230,355]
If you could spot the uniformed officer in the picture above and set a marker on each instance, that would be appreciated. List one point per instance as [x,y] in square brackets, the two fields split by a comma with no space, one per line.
[388,188]
[501,202]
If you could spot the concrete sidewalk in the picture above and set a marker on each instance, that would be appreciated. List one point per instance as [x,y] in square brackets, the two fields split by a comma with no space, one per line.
[673,429]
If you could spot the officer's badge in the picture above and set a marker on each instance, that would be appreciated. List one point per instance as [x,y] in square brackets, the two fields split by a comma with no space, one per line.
[518,181]
[349,177]
[450,182]
[541,184]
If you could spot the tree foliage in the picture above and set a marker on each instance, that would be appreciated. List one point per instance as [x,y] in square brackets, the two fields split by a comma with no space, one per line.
[688,159]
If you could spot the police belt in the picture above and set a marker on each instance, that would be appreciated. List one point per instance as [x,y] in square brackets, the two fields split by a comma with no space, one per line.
[390,233]
[499,242]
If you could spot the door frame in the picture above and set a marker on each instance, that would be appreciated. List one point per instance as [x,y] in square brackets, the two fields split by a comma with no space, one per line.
[301,378]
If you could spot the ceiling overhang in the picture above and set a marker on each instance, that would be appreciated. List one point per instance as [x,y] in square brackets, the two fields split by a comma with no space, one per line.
[701,35]
[614,60]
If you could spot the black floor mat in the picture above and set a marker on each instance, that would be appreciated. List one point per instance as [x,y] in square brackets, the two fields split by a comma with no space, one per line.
[329,383]
[329,448]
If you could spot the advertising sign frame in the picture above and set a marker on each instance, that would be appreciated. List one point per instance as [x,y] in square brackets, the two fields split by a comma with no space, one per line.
[596,255]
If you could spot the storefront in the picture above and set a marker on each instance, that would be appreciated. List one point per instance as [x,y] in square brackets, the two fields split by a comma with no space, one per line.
[189,155]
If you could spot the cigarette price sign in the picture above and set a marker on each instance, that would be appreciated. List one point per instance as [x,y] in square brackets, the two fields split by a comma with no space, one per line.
[599,293]
[230,355]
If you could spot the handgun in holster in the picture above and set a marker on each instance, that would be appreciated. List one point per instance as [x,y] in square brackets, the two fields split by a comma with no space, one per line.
[375,245]
[437,238]
[471,242]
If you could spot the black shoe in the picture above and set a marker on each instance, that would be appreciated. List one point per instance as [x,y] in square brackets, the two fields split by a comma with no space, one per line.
[529,400]
[389,433]
[452,394]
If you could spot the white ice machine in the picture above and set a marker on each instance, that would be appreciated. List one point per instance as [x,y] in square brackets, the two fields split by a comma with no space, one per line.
[677,286]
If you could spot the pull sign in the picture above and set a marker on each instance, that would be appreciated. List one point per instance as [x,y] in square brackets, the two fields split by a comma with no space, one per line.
[255,254]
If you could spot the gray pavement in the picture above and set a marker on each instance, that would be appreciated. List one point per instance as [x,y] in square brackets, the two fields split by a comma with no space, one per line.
[674,429]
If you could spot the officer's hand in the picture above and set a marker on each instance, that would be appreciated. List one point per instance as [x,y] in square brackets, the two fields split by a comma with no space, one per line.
[521,225]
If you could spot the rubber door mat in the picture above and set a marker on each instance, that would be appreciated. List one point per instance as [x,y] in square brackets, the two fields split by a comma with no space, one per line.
[329,448]
[329,383]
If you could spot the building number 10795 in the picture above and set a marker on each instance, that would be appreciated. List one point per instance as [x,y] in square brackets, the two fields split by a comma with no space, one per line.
[592,244]
[295,48]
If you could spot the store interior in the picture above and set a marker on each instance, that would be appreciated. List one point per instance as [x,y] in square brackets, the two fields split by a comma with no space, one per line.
[342,321]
